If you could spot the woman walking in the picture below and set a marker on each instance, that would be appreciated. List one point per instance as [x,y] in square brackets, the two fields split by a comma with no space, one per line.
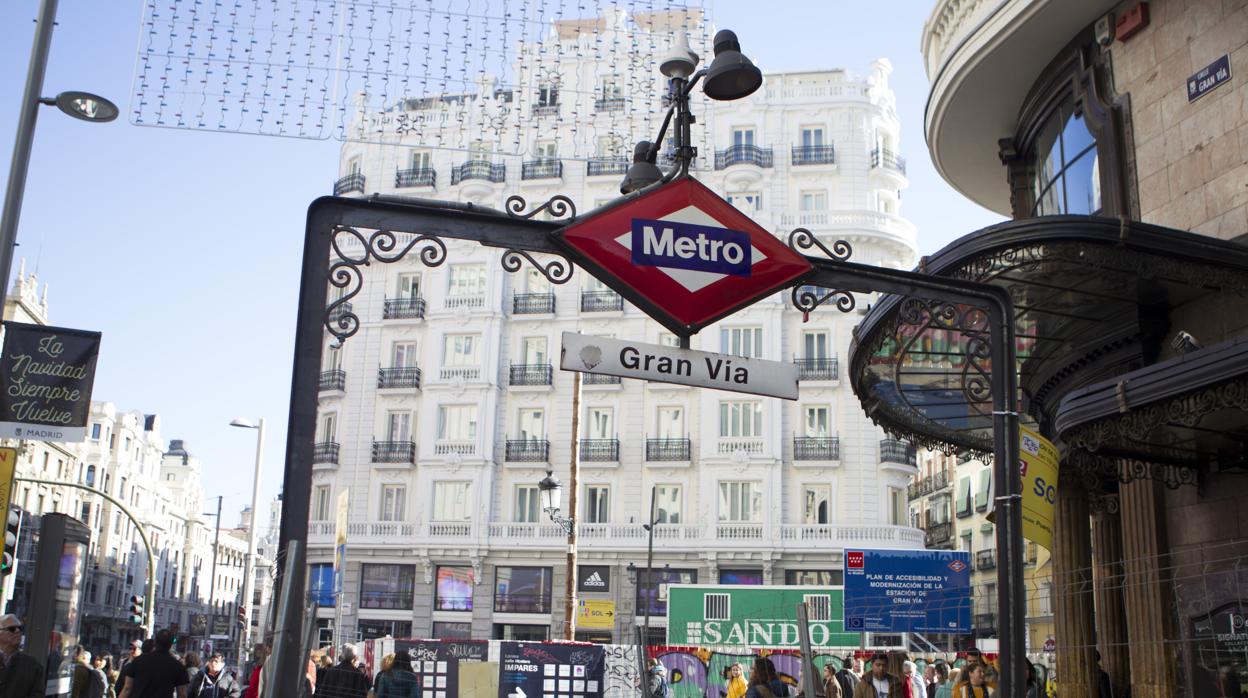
[764,682]
[736,681]
[973,683]
[398,681]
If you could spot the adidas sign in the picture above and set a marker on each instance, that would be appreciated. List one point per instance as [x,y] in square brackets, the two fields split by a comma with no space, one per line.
[594,580]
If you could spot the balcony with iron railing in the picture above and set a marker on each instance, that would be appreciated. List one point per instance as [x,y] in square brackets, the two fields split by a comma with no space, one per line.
[668,449]
[542,168]
[601,301]
[600,450]
[730,445]
[610,104]
[415,177]
[479,169]
[606,166]
[986,560]
[817,369]
[403,309]
[533,304]
[887,159]
[527,450]
[531,374]
[599,379]
[346,185]
[894,451]
[398,377]
[334,379]
[337,312]
[394,452]
[325,452]
[985,624]
[743,155]
[816,448]
[814,155]
[938,534]
[928,485]
[545,110]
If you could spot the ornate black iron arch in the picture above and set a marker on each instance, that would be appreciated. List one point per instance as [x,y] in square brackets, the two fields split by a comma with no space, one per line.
[336,248]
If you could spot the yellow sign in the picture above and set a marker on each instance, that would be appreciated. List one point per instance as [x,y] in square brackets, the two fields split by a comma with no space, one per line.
[8,470]
[1039,463]
[595,613]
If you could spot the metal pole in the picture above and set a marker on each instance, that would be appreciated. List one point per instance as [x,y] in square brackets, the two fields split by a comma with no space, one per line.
[808,655]
[149,614]
[1008,498]
[569,627]
[249,573]
[654,492]
[287,647]
[212,582]
[25,136]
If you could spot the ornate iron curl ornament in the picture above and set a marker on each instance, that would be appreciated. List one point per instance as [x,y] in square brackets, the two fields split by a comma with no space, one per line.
[969,321]
[559,206]
[340,319]
[557,271]
[807,298]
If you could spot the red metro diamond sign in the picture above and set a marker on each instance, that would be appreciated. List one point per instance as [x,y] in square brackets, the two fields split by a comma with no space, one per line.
[683,255]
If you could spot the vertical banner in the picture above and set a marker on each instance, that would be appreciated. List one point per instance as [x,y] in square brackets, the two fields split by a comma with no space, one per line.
[550,670]
[8,471]
[1039,464]
[340,541]
[46,375]
[436,663]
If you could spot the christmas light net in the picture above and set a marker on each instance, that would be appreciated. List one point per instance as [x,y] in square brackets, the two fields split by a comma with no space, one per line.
[487,76]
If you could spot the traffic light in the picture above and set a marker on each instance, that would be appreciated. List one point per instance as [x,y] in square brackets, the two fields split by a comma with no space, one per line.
[136,609]
[11,528]
[242,616]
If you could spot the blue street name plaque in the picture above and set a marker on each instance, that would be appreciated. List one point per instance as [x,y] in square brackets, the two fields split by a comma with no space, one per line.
[1212,75]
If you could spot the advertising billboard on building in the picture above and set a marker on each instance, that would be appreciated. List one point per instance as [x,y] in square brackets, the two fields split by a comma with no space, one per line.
[47,374]
[908,591]
[755,616]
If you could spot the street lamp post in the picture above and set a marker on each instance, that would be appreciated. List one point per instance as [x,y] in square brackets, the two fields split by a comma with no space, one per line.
[249,572]
[552,492]
[80,105]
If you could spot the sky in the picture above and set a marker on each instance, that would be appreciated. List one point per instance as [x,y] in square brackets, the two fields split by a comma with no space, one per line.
[183,247]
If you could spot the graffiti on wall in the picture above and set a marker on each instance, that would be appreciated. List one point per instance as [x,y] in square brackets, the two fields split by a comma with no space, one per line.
[698,672]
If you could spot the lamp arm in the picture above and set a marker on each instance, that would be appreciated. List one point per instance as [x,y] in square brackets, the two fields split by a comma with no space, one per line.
[658,142]
[693,80]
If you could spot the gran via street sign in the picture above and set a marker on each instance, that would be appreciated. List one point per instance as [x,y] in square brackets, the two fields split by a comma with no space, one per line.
[665,364]
[683,255]
[755,616]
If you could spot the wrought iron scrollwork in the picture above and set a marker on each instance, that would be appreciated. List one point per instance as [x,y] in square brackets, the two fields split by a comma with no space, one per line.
[917,316]
[559,206]
[807,298]
[382,246]
[557,271]
[802,239]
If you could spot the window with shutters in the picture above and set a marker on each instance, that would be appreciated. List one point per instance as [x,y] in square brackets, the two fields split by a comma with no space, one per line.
[818,607]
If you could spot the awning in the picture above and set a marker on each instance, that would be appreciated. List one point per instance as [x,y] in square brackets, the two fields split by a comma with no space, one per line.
[1167,421]
[1093,297]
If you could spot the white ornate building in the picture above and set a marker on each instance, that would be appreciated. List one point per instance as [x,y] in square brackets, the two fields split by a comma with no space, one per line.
[445,410]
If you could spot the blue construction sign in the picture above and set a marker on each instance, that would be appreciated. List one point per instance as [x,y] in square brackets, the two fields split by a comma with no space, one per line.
[908,591]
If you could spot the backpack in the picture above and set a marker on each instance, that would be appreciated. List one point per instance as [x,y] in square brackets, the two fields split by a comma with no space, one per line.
[660,689]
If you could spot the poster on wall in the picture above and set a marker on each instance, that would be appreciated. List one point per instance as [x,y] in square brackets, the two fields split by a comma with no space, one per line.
[436,663]
[550,670]
[907,591]
[46,376]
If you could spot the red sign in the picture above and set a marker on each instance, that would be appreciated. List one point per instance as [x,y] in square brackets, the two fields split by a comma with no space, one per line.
[684,255]
[855,560]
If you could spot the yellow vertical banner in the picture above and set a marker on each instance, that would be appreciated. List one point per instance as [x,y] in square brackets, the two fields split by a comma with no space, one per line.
[8,471]
[340,539]
[1038,465]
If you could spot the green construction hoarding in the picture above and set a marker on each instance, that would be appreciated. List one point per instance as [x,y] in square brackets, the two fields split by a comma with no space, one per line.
[755,616]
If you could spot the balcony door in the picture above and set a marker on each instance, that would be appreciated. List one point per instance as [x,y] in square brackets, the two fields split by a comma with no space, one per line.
[815,504]
[403,355]
[743,136]
[409,286]
[333,358]
[399,426]
[816,421]
[420,160]
[534,351]
[671,423]
[532,424]
[815,345]
[601,423]
[812,137]
[329,427]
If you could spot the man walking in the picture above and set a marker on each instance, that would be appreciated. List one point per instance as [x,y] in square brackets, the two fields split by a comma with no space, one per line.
[156,674]
[136,649]
[847,678]
[343,680]
[215,681]
[20,675]
[878,683]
